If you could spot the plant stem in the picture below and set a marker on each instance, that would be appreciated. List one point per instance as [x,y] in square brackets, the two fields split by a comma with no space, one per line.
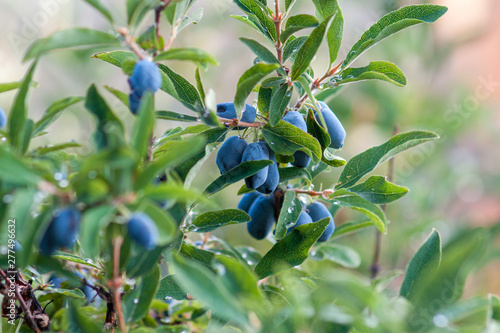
[277,24]
[375,267]
[158,11]
[117,244]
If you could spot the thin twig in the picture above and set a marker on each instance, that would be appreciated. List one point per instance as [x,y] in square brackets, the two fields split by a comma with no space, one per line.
[164,4]
[375,267]
[129,40]
[277,23]
[325,194]
[27,313]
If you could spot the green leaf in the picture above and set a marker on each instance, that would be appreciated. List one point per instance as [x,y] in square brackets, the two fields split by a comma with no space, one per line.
[199,83]
[76,293]
[493,317]
[242,171]
[363,163]
[279,102]
[293,173]
[350,227]
[171,115]
[289,4]
[142,131]
[207,288]
[179,88]
[290,211]
[392,23]
[339,254]
[18,113]
[97,4]
[248,81]
[317,131]
[296,23]
[122,96]
[325,8]
[94,220]
[308,50]
[137,303]
[354,201]
[292,250]
[199,57]
[332,160]
[107,122]
[425,261]
[73,258]
[169,289]
[12,85]
[209,221]
[52,148]
[241,282]
[262,53]
[378,190]
[466,308]
[292,46]
[272,82]
[252,21]
[118,58]
[79,321]
[376,70]
[253,7]
[286,139]
[53,112]
[14,171]
[76,37]
[193,19]
[264,100]
[173,153]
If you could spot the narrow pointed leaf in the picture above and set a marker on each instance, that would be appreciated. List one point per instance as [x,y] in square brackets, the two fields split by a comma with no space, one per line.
[376,70]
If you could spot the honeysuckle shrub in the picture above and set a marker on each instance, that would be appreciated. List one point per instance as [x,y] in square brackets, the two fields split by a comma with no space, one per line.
[104,241]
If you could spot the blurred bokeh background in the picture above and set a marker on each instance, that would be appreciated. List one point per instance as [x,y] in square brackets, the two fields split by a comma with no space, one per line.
[453,88]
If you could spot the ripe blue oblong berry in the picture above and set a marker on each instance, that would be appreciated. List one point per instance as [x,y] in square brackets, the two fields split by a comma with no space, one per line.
[273,175]
[134,102]
[62,230]
[318,211]
[230,154]
[262,214]
[256,152]
[3,118]
[247,200]
[145,77]
[227,110]
[333,126]
[304,218]
[294,118]
[143,230]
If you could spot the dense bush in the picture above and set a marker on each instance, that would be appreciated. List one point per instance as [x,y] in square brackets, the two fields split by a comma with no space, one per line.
[103,241]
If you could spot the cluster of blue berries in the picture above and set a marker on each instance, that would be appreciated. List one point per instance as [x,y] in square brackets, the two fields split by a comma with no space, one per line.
[145,77]
[262,211]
